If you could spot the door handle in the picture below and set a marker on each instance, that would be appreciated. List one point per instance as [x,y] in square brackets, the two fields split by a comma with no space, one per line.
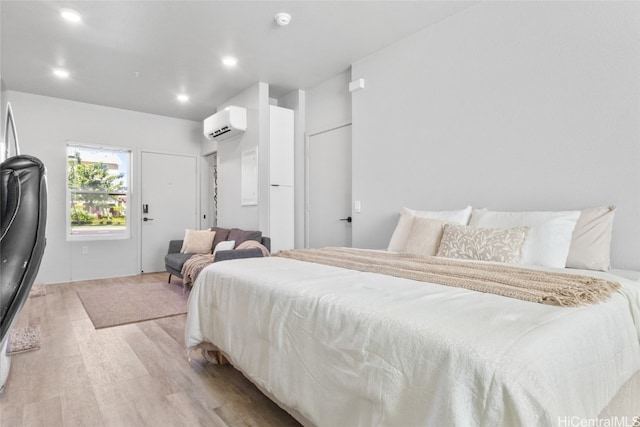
[348,219]
[145,219]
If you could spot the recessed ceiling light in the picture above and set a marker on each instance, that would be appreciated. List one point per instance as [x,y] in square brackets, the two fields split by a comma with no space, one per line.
[59,72]
[229,61]
[182,97]
[70,15]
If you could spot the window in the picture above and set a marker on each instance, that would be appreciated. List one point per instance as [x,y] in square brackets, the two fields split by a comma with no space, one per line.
[97,193]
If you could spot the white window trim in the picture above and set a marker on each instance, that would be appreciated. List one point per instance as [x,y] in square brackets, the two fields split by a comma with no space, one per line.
[127,234]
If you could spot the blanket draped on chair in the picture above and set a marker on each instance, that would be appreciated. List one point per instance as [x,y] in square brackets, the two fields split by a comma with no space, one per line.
[193,266]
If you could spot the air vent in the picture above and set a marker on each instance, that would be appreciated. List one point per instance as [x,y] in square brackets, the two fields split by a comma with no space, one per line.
[230,122]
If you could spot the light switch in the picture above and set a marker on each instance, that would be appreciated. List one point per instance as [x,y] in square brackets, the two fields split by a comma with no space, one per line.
[357,206]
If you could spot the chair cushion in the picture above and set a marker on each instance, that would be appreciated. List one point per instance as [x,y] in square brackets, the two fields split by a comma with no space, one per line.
[243,235]
[238,254]
[222,234]
[176,260]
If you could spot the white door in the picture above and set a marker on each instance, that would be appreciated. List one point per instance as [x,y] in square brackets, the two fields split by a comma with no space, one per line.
[169,204]
[329,197]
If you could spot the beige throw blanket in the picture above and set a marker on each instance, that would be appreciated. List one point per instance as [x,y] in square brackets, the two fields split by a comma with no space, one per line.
[192,267]
[510,281]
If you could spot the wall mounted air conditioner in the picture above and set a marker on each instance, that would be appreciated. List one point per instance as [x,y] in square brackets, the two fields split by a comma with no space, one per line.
[226,124]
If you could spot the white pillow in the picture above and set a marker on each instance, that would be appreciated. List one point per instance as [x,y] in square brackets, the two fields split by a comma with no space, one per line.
[197,241]
[549,235]
[403,228]
[591,243]
[225,245]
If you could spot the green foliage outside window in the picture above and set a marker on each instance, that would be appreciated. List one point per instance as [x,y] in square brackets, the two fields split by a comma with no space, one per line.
[98,191]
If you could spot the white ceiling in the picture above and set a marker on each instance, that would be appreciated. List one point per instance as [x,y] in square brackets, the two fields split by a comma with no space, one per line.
[176,47]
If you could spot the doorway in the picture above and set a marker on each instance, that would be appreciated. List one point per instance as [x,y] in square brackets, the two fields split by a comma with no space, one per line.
[169,188]
[212,183]
[329,188]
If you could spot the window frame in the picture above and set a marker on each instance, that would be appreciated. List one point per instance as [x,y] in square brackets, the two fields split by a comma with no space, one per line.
[127,233]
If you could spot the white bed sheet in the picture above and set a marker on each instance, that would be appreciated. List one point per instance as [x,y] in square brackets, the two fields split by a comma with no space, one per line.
[347,348]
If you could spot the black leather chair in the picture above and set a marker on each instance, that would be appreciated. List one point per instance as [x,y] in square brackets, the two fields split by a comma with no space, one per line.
[23,217]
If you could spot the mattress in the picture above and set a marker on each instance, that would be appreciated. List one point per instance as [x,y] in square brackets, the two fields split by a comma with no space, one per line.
[343,347]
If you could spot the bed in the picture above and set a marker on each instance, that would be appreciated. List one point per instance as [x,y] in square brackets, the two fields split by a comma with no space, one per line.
[342,347]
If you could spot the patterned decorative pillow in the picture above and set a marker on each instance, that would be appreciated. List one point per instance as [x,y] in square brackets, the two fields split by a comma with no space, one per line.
[197,241]
[483,244]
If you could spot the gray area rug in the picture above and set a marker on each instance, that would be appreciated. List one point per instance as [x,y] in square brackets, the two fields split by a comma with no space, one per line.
[24,339]
[120,304]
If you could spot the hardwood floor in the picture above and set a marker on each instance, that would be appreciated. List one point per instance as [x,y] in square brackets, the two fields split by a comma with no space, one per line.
[130,375]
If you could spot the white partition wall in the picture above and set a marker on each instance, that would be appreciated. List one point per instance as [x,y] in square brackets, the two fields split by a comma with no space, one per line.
[281,178]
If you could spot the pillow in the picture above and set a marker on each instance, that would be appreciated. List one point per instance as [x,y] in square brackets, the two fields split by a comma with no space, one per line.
[197,241]
[403,228]
[549,236]
[221,235]
[484,244]
[240,236]
[249,244]
[424,237]
[591,241]
[226,245]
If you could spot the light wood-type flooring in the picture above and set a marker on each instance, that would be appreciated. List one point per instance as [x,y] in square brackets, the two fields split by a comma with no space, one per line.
[130,375]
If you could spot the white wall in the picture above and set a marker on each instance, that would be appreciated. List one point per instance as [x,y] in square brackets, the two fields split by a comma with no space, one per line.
[45,125]
[506,105]
[328,104]
[230,211]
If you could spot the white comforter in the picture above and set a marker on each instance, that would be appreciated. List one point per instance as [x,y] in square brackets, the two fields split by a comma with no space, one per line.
[347,348]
